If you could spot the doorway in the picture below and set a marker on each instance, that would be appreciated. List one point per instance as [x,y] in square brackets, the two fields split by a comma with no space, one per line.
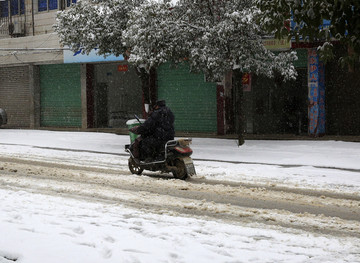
[117,94]
[101,105]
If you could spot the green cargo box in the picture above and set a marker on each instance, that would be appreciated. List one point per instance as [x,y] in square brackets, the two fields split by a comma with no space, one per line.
[133,123]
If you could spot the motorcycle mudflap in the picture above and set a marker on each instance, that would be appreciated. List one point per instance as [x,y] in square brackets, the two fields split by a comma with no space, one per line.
[189,165]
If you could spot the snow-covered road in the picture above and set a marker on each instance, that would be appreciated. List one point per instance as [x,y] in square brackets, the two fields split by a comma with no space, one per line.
[84,201]
[217,199]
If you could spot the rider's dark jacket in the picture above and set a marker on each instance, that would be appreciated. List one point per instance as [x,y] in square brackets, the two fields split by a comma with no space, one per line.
[159,125]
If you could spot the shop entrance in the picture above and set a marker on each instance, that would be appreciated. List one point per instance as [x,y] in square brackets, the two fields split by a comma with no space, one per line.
[280,107]
[295,107]
[101,105]
[117,95]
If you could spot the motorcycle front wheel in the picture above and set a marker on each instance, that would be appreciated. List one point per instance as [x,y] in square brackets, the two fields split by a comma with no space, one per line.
[181,170]
[134,167]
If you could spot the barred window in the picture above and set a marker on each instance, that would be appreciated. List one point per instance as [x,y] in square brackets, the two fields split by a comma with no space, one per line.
[17,7]
[4,9]
[45,5]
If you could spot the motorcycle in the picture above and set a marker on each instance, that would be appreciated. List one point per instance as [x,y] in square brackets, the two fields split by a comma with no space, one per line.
[175,158]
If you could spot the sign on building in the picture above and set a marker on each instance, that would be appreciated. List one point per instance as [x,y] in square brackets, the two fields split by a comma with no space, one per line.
[316,83]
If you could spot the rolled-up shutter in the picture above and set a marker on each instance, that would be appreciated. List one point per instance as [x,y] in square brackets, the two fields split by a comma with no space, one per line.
[60,95]
[15,95]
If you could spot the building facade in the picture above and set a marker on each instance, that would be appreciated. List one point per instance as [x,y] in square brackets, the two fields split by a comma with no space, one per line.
[44,85]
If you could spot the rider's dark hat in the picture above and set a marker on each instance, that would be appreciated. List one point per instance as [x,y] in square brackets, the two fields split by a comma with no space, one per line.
[160,103]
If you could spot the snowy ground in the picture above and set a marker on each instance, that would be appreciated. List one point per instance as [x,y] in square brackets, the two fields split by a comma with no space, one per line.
[36,226]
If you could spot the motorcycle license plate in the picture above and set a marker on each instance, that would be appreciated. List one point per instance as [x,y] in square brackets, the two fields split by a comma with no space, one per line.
[189,165]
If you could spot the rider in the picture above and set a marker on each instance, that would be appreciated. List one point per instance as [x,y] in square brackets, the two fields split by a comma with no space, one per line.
[155,131]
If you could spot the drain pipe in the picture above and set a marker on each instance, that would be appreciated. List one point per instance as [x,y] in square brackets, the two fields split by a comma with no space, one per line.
[32,17]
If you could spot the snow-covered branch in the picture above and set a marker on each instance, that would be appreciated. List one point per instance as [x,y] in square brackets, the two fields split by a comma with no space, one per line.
[214,36]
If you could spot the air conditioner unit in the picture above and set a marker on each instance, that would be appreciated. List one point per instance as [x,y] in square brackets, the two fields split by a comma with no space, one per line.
[17,29]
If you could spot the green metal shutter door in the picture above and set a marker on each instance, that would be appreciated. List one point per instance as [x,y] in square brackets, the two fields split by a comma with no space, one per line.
[60,95]
[302,61]
[192,100]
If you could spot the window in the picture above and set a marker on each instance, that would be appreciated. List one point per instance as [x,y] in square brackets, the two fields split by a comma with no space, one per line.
[17,7]
[4,9]
[45,5]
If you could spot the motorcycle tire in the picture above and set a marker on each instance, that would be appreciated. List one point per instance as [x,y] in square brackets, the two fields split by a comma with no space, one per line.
[134,167]
[181,170]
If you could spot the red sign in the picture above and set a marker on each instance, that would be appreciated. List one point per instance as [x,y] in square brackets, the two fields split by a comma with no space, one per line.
[122,68]
[246,81]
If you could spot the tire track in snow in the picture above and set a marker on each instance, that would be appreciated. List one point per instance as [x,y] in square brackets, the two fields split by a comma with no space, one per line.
[193,197]
[117,169]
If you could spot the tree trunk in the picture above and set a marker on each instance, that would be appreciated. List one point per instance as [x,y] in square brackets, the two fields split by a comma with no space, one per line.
[239,111]
[152,87]
[145,83]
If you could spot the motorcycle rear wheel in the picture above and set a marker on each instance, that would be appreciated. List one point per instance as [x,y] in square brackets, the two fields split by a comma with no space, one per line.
[181,170]
[134,167]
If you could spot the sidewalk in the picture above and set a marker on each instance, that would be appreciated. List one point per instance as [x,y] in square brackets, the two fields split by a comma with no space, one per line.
[125,131]
[322,152]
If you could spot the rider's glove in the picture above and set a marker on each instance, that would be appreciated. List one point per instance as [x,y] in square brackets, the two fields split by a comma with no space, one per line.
[134,129]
